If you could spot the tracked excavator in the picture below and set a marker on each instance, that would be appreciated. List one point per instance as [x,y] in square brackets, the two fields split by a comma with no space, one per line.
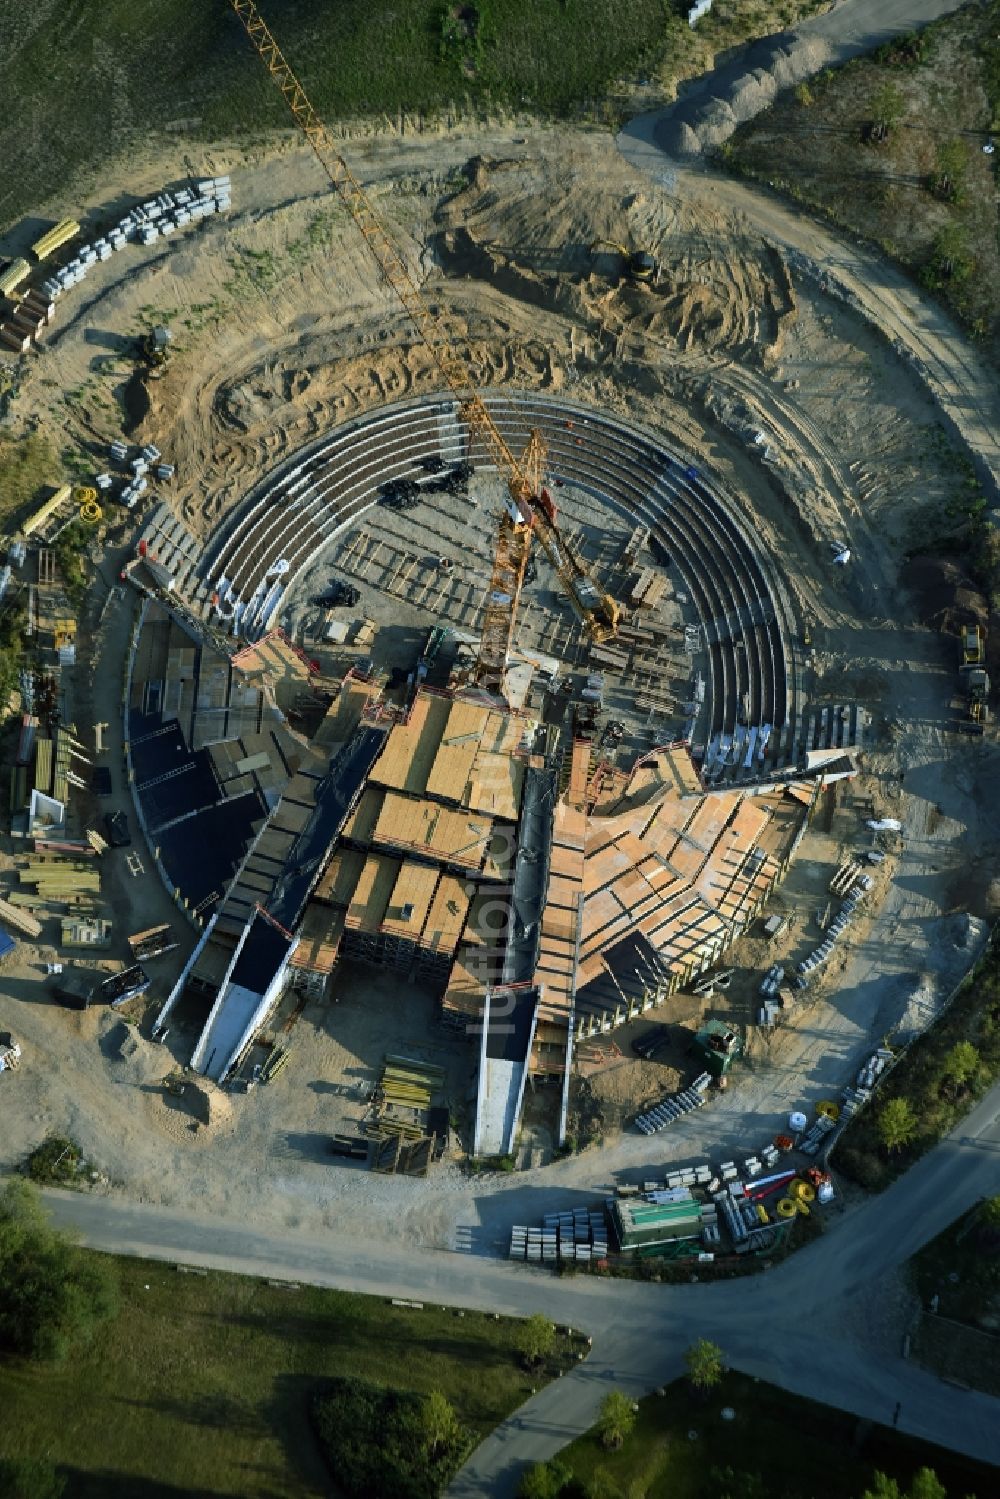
[639,265]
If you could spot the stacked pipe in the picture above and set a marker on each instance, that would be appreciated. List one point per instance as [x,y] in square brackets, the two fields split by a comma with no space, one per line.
[673,1108]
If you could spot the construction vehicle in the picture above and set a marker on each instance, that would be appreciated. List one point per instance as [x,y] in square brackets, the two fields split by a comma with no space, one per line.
[155,350]
[639,265]
[977,690]
[529,510]
[973,647]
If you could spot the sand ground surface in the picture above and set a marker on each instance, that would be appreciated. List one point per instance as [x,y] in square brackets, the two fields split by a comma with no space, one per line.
[281,329]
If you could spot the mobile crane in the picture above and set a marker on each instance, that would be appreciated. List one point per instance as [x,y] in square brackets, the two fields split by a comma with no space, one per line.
[529,510]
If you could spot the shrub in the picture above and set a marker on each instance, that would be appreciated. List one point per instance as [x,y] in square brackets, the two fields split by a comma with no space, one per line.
[387,1444]
[55,1161]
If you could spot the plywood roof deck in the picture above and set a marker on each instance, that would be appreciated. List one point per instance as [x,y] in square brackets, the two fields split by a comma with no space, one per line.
[406,761]
[495,785]
[344,714]
[319,939]
[465,991]
[360,826]
[414,888]
[457,749]
[340,877]
[447,914]
[367,907]
[453,836]
[579,773]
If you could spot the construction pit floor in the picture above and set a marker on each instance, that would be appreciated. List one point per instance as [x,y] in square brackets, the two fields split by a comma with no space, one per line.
[270,351]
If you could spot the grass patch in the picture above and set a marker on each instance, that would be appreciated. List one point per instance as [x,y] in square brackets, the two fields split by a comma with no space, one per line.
[205,1383]
[777,1445]
[922,1078]
[962,1268]
[889,147]
[27,465]
[188,70]
[189,66]
[958,1275]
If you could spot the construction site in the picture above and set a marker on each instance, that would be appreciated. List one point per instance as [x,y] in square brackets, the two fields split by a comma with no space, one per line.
[506,716]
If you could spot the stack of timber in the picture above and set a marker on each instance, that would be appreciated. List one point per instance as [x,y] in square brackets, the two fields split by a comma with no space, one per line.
[152,942]
[391,1153]
[59,880]
[21,921]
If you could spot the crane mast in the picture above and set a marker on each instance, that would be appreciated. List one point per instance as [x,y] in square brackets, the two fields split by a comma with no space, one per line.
[526,513]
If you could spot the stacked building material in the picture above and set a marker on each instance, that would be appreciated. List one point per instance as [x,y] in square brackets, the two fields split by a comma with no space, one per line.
[153,942]
[674,1107]
[59,880]
[77,932]
[146,223]
[578,1236]
[21,921]
[645,1226]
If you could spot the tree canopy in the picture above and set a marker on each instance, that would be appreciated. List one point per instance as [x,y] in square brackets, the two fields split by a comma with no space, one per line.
[52,1295]
[617,1419]
[897,1123]
[704,1364]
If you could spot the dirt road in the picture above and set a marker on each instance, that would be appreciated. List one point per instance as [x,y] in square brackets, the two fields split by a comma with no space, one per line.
[928,339]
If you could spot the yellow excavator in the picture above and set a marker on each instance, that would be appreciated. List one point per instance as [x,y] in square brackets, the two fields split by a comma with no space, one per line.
[639,265]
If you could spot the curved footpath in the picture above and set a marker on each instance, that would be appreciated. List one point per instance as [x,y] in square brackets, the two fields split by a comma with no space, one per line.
[806,1326]
[962,384]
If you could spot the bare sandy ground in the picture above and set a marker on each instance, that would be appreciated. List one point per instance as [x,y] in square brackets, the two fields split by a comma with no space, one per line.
[281,329]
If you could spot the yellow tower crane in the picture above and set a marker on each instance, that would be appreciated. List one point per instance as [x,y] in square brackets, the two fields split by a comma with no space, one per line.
[530,510]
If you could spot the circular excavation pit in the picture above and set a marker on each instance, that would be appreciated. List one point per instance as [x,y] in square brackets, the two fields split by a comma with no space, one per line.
[704,653]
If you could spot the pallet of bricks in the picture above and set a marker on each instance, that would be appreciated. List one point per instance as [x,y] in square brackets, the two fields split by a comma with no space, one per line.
[579,1236]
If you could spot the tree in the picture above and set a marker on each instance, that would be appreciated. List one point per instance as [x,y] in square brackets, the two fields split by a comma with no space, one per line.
[925,1484]
[616,1420]
[535,1339]
[704,1365]
[442,1429]
[950,168]
[989,1212]
[544,1480]
[961,1063]
[52,1295]
[896,1124]
[888,107]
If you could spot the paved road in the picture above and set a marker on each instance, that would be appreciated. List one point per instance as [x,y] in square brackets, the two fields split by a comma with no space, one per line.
[806,1327]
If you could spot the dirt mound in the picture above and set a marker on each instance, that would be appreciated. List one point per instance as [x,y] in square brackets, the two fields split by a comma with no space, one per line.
[140,1060]
[944,596]
[704,120]
[209,1104]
